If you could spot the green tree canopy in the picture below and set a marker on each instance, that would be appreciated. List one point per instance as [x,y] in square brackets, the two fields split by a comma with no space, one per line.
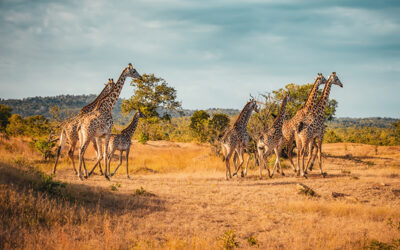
[199,124]
[5,114]
[299,94]
[150,94]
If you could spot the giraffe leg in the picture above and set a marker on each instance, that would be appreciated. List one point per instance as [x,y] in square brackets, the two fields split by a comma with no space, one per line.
[260,159]
[314,156]
[310,149]
[228,169]
[303,155]
[241,161]
[277,162]
[235,162]
[289,153]
[247,164]
[127,169]
[81,155]
[71,151]
[106,165]
[98,148]
[120,161]
[320,157]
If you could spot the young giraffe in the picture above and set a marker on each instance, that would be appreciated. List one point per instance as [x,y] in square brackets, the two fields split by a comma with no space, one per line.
[271,140]
[69,131]
[289,126]
[122,142]
[312,127]
[236,138]
[99,122]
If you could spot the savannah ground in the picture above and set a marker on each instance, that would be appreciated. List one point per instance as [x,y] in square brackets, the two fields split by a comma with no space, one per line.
[178,197]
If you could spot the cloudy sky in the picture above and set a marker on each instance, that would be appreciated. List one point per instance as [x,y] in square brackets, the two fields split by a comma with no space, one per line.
[215,53]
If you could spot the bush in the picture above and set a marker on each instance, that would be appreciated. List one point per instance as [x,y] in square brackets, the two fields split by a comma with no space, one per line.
[45,147]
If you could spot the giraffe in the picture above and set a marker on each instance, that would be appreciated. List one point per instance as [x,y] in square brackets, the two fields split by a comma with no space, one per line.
[289,125]
[99,122]
[122,142]
[271,140]
[312,127]
[69,131]
[236,138]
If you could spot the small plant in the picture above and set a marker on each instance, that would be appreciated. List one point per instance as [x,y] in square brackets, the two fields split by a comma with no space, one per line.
[47,184]
[252,241]
[142,191]
[305,190]
[370,163]
[114,187]
[21,161]
[229,240]
[378,245]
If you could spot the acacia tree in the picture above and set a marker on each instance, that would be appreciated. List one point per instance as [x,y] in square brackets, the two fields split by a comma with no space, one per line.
[154,98]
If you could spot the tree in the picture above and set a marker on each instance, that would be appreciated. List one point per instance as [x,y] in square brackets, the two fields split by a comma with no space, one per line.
[299,94]
[5,114]
[154,98]
[199,124]
[37,126]
[17,126]
[150,94]
[217,126]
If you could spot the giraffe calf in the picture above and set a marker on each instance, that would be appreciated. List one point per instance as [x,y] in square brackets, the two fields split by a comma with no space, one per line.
[123,141]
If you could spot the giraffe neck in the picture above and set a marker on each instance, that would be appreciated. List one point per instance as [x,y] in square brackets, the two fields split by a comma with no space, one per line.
[243,119]
[312,97]
[281,115]
[132,126]
[106,104]
[93,104]
[321,105]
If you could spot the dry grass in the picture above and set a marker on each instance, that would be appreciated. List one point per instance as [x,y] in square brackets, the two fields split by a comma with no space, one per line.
[178,199]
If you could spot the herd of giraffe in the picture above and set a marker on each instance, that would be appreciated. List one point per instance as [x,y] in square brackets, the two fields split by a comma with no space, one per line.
[94,123]
[306,128]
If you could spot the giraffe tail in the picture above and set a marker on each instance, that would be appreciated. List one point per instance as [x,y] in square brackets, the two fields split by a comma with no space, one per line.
[62,141]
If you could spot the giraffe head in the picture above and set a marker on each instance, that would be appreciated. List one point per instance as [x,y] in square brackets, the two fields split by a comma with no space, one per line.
[130,71]
[320,79]
[253,104]
[110,82]
[335,80]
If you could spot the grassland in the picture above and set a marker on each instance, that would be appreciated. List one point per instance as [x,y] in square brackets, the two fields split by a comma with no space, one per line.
[177,198]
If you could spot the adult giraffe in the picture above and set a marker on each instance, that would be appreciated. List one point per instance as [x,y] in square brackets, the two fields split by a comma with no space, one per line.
[236,138]
[271,140]
[313,127]
[289,126]
[69,130]
[98,123]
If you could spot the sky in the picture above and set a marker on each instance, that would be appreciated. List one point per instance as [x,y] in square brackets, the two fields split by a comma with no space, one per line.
[214,53]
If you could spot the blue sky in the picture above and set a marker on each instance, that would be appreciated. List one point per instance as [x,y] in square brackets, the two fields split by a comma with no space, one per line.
[215,53]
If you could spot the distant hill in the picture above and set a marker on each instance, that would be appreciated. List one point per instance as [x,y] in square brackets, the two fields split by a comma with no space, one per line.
[346,122]
[71,104]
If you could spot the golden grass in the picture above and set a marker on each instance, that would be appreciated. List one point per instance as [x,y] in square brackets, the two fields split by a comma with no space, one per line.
[178,199]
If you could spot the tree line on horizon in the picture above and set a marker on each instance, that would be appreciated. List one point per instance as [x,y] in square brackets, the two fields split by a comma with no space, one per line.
[40,117]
